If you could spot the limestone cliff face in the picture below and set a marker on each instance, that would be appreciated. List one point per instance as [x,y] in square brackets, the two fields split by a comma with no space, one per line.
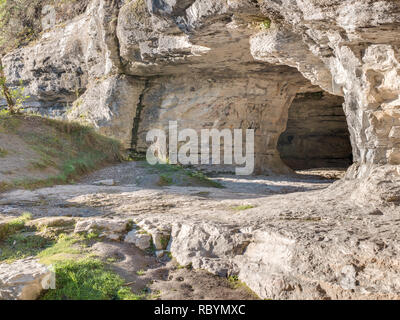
[349,48]
[222,64]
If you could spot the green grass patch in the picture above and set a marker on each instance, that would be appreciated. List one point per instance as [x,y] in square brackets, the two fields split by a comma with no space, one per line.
[70,148]
[77,278]
[187,267]
[21,245]
[43,163]
[18,241]
[65,246]
[235,283]
[165,180]
[169,255]
[243,207]
[164,241]
[11,227]
[31,183]
[140,272]
[8,122]
[3,152]
[265,24]
[79,275]
[203,178]
[88,279]
[178,175]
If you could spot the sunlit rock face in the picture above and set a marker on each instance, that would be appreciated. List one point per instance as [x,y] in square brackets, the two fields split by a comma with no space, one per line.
[342,38]
[317,80]
[348,48]
[199,102]
[58,67]
[147,62]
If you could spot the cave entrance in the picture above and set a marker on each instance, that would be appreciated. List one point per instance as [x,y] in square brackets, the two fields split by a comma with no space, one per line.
[317,135]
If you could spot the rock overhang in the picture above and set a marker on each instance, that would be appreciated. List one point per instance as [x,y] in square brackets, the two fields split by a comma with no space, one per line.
[347,49]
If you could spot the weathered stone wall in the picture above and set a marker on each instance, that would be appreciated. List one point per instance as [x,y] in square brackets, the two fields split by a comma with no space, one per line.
[317,134]
[58,68]
[260,103]
[100,66]
[109,105]
[347,48]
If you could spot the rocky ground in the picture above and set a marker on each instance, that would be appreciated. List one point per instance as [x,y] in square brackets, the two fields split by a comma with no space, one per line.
[126,67]
[284,237]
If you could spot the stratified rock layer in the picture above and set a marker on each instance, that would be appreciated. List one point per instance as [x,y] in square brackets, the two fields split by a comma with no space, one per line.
[126,68]
[297,239]
[349,48]
[121,65]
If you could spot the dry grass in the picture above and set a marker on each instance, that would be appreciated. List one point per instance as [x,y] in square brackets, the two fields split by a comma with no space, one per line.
[64,149]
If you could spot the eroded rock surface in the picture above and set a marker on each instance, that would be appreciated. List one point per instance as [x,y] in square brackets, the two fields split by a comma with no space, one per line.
[111,229]
[24,280]
[129,66]
[298,237]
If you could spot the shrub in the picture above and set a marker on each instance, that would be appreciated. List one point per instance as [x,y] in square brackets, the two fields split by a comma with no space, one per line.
[13,226]
[266,24]
[21,20]
[88,279]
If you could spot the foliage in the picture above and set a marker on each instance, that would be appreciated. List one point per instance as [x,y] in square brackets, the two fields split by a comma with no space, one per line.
[165,180]
[18,240]
[8,122]
[65,245]
[19,96]
[11,227]
[79,274]
[235,283]
[23,245]
[140,273]
[15,97]
[88,279]
[200,176]
[21,20]
[265,24]
[70,148]
[243,207]
[3,152]
[176,174]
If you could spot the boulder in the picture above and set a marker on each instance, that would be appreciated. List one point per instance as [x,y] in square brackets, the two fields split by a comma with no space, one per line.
[108,228]
[25,280]
[140,240]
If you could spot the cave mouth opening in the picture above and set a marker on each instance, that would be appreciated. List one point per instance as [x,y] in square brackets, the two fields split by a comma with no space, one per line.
[317,134]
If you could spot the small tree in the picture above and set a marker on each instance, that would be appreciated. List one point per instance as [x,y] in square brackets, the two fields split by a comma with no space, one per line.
[5,92]
[15,98]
